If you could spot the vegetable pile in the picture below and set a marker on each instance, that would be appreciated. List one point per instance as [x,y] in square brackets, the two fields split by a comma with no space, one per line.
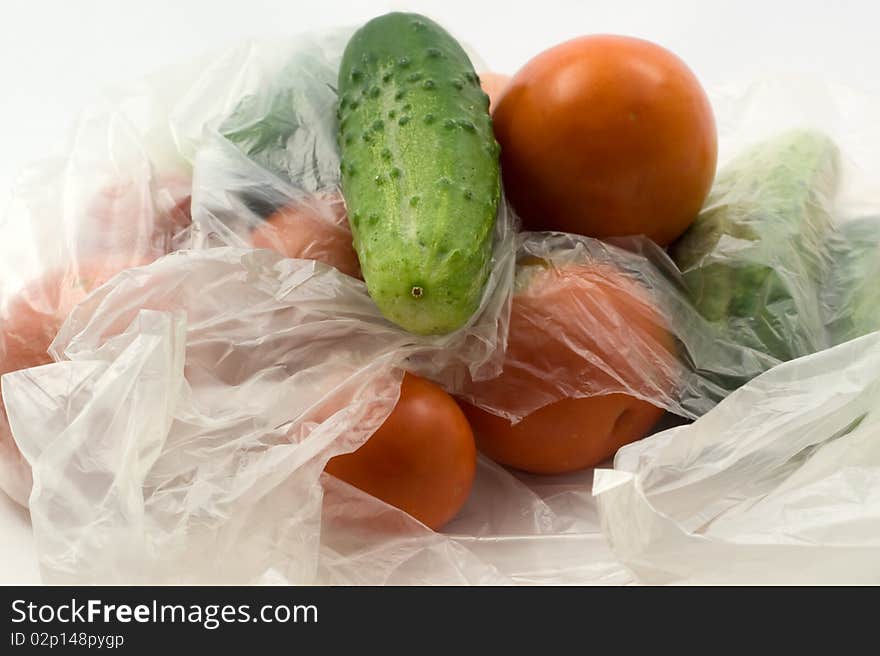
[536,270]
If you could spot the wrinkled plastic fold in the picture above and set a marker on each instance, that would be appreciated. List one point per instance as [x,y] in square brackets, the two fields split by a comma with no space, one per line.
[778,484]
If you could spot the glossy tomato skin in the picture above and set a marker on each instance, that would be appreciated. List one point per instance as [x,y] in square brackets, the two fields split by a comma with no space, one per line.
[421,460]
[574,327]
[565,436]
[607,136]
[312,229]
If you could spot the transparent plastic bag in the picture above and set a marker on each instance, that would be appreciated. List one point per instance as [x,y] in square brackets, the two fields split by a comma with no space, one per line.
[850,296]
[171,430]
[202,422]
[180,432]
[755,258]
[593,318]
[778,484]
[118,199]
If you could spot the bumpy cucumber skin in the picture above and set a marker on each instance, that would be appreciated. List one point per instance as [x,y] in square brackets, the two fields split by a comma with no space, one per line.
[420,172]
[755,258]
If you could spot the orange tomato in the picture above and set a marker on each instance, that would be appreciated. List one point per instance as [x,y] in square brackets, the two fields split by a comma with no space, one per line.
[494,85]
[29,324]
[574,327]
[312,229]
[607,136]
[421,460]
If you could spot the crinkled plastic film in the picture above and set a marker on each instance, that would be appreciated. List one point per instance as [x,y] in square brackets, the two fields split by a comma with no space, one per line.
[850,296]
[194,382]
[755,259]
[778,484]
[629,327]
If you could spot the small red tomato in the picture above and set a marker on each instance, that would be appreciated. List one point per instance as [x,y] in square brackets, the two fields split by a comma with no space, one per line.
[421,460]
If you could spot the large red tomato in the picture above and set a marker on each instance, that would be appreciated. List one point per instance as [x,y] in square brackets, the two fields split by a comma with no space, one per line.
[574,327]
[422,459]
[607,136]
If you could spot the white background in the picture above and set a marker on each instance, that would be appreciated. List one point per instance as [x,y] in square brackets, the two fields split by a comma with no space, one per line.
[55,55]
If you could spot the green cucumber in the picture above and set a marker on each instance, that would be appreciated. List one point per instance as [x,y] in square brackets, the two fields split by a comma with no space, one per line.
[755,259]
[420,173]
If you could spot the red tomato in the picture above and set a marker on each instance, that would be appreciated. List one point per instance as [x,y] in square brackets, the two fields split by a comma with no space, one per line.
[607,136]
[29,324]
[421,460]
[494,85]
[574,327]
[313,229]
